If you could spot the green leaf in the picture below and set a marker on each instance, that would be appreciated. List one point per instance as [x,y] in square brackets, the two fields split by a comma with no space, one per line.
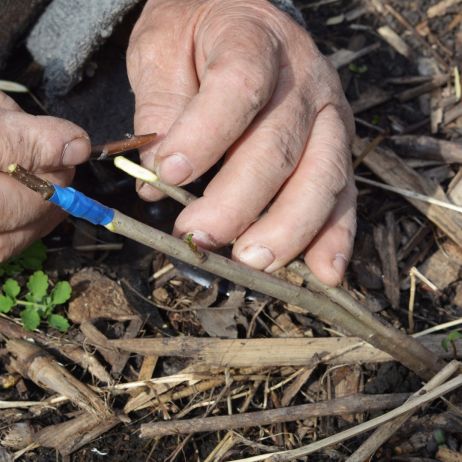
[10,268]
[454,335]
[451,337]
[38,285]
[445,344]
[375,119]
[358,69]
[6,303]
[439,436]
[30,318]
[11,288]
[61,293]
[58,322]
[33,257]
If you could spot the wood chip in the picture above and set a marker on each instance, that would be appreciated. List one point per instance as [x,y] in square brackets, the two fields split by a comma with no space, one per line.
[442,7]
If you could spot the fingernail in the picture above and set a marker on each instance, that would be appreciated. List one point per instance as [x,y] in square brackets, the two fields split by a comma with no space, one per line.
[202,239]
[340,264]
[174,169]
[76,151]
[256,256]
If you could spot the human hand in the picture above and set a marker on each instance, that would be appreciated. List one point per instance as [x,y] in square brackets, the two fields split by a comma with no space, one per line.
[243,78]
[47,146]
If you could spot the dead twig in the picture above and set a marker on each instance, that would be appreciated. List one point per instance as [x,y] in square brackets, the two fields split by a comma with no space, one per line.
[346,405]
[285,456]
[34,363]
[405,349]
[248,352]
[383,433]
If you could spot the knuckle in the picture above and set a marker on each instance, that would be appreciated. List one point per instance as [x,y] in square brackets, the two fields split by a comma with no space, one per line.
[250,81]
[282,149]
[13,143]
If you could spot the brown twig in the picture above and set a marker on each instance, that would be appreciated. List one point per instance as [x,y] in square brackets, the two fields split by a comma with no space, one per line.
[43,187]
[347,405]
[383,433]
[362,324]
[405,349]
[294,454]
[102,151]
[248,352]
[66,348]
[34,363]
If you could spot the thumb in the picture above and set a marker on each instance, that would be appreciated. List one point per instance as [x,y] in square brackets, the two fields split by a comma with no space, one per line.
[41,143]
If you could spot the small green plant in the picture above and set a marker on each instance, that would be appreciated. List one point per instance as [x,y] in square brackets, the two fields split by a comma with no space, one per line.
[375,119]
[439,437]
[30,259]
[450,339]
[358,69]
[38,301]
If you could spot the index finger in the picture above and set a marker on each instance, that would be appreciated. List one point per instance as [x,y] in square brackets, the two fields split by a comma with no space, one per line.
[240,72]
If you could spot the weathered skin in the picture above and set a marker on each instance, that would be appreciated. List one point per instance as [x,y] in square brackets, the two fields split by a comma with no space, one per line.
[42,145]
[243,78]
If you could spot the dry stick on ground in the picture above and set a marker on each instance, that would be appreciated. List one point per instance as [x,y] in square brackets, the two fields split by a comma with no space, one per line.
[65,347]
[35,364]
[293,454]
[344,57]
[333,308]
[452,114]
[75,433]
[428,148]
[404,349]
[395,172]
[376,96]
[385,243]
[347,405]
[385,10]
[441,7]
[266,352]
[384,432]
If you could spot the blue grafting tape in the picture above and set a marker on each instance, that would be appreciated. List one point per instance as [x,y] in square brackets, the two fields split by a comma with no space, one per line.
[81,206]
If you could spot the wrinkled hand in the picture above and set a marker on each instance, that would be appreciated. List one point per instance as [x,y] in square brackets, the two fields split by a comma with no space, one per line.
[241,77]
[47,146]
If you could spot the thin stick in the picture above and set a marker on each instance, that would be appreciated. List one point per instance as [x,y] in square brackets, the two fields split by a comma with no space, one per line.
[26,404]
[43,187]
[342,298]
[347,405]
[137,171]
[406,350]
[102,151]
[383,433]
[410,194]
[284,456]
[410,313]
[349,314]
[439,327]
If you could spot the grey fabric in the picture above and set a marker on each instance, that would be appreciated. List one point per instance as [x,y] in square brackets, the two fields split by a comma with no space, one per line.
[70,31]
[15,17]
[289,7]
